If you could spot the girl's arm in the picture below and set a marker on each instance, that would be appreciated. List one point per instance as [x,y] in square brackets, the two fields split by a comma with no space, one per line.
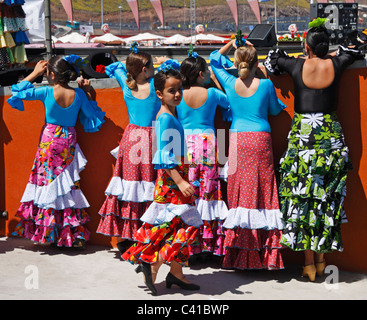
[186,188]
[226,48]
[38,70]
[84,84]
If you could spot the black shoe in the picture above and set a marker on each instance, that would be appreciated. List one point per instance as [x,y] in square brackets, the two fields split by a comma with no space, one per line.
[79,244]
[139,268]
[123,246]
[145,268]
[171,279]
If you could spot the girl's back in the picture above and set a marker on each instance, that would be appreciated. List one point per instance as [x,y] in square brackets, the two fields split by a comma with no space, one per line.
[195,96]
[64,97]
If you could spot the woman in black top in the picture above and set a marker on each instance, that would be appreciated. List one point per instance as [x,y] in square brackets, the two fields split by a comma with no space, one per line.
[314,167]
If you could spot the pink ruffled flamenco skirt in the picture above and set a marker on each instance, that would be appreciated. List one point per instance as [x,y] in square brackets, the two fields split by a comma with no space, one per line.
[204,177]
[52,208]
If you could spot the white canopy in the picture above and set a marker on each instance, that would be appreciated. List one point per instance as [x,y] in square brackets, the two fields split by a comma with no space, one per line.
[108,38]
[73,37]
[177,39]
[144,37]
[207,37]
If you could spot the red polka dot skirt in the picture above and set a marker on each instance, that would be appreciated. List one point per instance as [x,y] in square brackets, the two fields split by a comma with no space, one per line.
[131,189]
[254,221]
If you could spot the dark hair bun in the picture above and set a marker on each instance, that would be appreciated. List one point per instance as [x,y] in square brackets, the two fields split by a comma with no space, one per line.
[321,49]
[73,75]
[318,40]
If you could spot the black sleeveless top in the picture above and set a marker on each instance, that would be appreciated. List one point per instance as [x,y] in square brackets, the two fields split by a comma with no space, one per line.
[307,100]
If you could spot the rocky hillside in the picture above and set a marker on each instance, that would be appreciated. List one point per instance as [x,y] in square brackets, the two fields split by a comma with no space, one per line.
[177,11]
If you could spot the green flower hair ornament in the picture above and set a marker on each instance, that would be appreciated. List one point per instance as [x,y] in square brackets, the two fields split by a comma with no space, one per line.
[317,23]
[240,39]
[191,52]
[76,62]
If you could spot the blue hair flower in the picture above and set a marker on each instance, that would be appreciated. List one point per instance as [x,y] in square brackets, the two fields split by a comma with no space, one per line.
[169,65]
[76,62]
[134,47]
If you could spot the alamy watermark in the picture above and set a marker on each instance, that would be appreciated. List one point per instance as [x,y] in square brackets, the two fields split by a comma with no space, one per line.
[32,280]
[171,141]
[332,281]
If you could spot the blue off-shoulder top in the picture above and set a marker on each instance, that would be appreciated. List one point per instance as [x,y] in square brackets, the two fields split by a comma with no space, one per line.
[171,145]
[248,113]
[90,115]
[142,112]
[202,118]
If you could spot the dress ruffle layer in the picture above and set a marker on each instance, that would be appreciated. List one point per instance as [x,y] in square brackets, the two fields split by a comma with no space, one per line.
[51,226]
[253,249]
[268,219]
[135,191]
[170,240]
[60,193]
[211,238]
[159,213]
[120,219]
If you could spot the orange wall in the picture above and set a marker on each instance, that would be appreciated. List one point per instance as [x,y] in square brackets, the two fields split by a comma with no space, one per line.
[19,132]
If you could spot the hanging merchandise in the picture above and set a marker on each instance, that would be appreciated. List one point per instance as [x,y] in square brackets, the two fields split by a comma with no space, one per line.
[12,34]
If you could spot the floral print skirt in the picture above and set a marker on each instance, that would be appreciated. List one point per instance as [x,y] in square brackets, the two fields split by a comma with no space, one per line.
[313,183]
[130,191]
[171,224]
[53,206]
[204,177]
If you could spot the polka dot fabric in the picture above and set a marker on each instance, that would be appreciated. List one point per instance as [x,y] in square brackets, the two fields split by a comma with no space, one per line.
[132,164]
[252,185]
[251,178]
[122,218]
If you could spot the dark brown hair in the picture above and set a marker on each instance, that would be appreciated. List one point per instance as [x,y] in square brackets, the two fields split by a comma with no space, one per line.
[190,69]
[63,70]
[161,77]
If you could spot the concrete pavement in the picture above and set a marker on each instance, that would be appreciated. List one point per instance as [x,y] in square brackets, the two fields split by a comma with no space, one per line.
[32,271]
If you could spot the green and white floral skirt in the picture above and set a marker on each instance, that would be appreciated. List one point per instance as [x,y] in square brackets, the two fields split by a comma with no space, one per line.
[313,183]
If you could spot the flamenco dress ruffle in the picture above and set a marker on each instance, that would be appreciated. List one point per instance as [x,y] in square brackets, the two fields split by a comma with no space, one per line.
[313,183]
[254,225]
[131,189]
[53,205]
[171,223]
[204,177]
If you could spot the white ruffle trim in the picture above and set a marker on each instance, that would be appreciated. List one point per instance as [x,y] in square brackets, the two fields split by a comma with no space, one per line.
[212,210]
[159,213]
[135,191]
[254,219]
[115,151]
[223,172]
[59,194]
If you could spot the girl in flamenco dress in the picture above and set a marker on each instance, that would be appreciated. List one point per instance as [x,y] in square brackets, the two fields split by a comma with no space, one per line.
[196,113]
[130,190]
[53,206]
[172,222]
[254,221]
